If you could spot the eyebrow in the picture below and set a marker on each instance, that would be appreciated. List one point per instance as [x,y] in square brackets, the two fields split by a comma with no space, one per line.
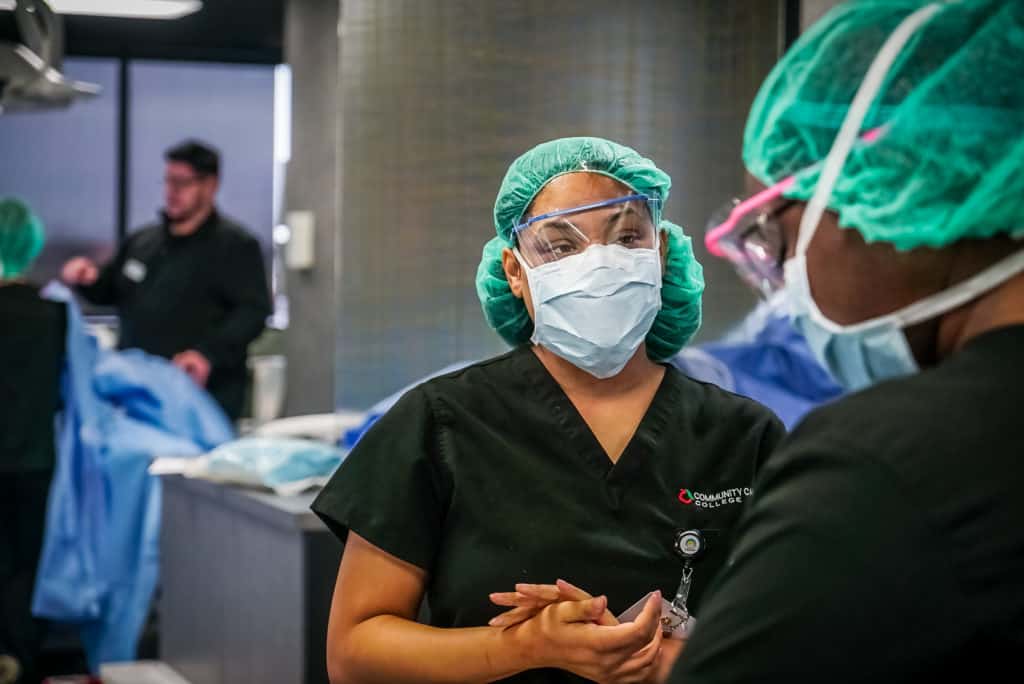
[562,222]
[620,211]
[558,223]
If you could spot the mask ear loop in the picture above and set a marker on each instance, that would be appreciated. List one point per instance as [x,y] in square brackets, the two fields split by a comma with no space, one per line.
[520,258]
[862,101]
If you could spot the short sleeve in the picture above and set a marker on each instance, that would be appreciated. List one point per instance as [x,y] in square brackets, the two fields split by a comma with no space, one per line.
[392,490]
[103,292]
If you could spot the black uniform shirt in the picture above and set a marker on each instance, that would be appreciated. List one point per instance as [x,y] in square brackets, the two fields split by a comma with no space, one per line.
[489,476]
[31,357]
[206,291]
[885,542]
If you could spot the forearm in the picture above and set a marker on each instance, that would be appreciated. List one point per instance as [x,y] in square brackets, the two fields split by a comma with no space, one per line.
[388,649]
[100,293]
[103,290]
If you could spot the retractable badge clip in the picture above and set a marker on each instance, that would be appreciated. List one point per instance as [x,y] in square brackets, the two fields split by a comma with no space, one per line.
[689,545]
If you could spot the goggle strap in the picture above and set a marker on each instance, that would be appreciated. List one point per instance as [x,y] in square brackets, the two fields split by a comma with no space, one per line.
[586,207]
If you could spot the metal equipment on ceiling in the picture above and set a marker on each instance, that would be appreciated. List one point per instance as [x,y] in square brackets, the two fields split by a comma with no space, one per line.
[30,76]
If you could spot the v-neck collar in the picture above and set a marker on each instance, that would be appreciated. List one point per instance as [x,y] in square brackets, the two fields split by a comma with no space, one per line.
[582,440]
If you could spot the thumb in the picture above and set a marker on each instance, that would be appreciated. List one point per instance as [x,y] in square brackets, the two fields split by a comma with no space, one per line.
[597,606]
[582,611]
[571,591]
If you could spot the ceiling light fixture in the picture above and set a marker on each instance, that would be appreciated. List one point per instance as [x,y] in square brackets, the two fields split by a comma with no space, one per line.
[128,9]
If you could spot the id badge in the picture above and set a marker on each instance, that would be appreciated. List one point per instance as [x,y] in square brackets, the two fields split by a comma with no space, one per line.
[134,270]
[671,623]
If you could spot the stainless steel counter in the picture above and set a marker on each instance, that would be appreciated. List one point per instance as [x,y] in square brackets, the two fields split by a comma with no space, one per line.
[247,578]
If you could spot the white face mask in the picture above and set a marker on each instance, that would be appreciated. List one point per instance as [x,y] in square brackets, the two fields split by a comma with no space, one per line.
[594,309]
[871,351]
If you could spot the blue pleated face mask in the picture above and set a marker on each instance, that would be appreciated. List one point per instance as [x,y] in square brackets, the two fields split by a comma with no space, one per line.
[594,309]
[865,353]
[856,356]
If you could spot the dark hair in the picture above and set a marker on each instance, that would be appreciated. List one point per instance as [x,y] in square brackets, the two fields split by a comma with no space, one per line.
[204,159]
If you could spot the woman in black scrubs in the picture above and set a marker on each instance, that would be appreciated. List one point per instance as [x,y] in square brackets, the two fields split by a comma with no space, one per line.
[31,358]
[577,455]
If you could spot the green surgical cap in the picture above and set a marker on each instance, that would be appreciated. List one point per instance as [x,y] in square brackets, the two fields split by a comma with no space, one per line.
[950,163]
[531,172]
[21,238]
[682,282]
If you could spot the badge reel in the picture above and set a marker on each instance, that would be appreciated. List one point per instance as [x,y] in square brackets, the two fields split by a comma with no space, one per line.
[689,545]
[676,622]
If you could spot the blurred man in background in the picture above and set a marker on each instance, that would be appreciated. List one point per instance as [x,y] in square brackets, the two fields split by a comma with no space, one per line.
[190,287]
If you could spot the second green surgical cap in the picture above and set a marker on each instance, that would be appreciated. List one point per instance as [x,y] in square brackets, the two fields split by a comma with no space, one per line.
[21,238]
[683,280]
[949,165]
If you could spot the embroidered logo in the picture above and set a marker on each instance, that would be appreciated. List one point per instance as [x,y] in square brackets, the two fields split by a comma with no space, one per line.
[726,497]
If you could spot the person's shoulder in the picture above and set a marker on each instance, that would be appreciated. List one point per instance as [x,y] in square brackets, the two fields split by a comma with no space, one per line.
[233,231]
[889,413]
[916,428]
[146,229]
[143,234]
[27,299]
[465,384]
[19,291]
[477,387]
[707,401]
[473,378]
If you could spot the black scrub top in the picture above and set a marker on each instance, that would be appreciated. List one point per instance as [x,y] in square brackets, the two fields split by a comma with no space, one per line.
[885,542]
[32,333]
[489,476]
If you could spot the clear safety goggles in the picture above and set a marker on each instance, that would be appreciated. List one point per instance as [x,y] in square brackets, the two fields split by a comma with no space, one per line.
[628,221]
[749,235]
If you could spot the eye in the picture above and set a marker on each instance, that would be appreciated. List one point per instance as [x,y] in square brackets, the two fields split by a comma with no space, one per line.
[628,237]
[562,248]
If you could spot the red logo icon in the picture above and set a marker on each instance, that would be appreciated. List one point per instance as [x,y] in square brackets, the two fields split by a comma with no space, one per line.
[686,496]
